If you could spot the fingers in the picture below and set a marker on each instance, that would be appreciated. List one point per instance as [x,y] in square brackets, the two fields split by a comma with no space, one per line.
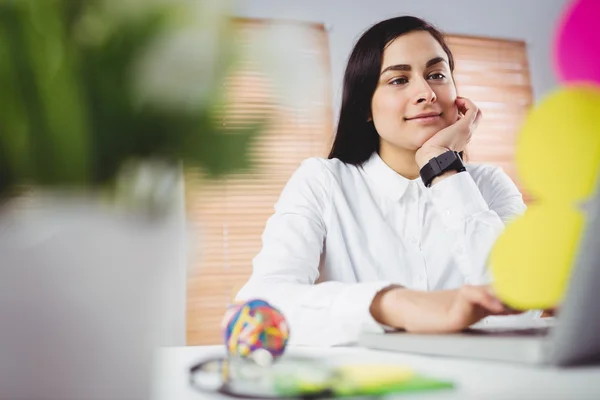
[508,310]
[478,117]
[483,297]
[461,104]
[550,312]
[472,114]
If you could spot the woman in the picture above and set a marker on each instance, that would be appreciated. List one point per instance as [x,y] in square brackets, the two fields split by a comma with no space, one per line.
[390,230]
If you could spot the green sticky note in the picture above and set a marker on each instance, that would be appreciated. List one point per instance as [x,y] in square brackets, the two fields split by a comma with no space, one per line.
[359,380]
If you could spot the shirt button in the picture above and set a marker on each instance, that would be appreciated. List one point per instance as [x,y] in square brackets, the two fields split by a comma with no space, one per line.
[460,249]
[413,240]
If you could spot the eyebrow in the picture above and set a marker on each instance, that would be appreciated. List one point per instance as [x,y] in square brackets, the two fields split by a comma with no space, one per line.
[406,67]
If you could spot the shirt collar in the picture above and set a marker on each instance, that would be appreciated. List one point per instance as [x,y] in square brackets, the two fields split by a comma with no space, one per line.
[388,181]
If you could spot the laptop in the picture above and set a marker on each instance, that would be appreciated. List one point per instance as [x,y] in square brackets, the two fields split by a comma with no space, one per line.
[572,338]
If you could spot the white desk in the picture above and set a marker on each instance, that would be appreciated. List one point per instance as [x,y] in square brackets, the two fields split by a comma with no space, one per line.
[473,379]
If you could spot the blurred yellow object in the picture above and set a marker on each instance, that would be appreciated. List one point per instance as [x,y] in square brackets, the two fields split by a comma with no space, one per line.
[558,158]
[558,148]
[372,376]
[532,260]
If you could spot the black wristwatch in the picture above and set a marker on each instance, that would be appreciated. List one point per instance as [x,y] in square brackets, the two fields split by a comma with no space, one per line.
[449,161]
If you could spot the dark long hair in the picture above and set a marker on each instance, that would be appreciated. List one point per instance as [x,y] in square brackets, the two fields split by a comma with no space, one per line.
[356,137]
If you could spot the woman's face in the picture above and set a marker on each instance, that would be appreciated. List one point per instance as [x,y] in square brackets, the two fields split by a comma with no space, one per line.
[415,95]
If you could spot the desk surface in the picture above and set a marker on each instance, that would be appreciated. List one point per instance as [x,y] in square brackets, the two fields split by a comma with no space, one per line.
[473,379]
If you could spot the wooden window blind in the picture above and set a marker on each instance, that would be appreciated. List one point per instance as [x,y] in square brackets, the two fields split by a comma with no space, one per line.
[231,215]
[494,73]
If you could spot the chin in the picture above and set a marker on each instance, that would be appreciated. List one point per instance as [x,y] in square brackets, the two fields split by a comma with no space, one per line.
[426,133]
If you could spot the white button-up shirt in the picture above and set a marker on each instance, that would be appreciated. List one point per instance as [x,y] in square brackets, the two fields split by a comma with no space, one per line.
[340,233]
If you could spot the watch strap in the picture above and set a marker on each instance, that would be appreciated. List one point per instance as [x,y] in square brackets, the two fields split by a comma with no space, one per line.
[448,161]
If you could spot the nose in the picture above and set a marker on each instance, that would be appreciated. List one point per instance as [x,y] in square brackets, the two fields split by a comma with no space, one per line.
[423,92]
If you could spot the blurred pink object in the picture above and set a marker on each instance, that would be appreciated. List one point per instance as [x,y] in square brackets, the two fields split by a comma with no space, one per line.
[577,43]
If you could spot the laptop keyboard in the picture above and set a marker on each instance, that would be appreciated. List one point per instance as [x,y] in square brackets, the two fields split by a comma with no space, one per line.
[499,331]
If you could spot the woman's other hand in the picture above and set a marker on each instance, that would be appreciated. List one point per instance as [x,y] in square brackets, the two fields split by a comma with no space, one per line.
[442,311]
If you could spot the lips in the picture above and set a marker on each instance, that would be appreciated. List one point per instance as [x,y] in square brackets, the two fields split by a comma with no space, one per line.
[425,116]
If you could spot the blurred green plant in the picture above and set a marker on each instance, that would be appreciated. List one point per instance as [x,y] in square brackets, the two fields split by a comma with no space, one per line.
[87,86]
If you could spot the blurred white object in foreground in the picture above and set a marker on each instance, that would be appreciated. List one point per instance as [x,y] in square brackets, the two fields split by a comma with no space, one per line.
[86,294]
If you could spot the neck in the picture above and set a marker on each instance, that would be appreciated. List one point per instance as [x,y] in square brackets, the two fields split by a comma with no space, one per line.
[400,160]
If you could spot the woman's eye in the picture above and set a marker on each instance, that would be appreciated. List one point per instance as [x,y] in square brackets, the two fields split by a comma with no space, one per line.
[437,76]
[399,81]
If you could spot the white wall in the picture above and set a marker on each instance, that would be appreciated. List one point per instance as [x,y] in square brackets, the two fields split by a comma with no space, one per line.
[533,21]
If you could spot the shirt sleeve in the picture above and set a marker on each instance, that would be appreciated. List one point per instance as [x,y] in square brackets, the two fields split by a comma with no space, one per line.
[287,267]
[475,216]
